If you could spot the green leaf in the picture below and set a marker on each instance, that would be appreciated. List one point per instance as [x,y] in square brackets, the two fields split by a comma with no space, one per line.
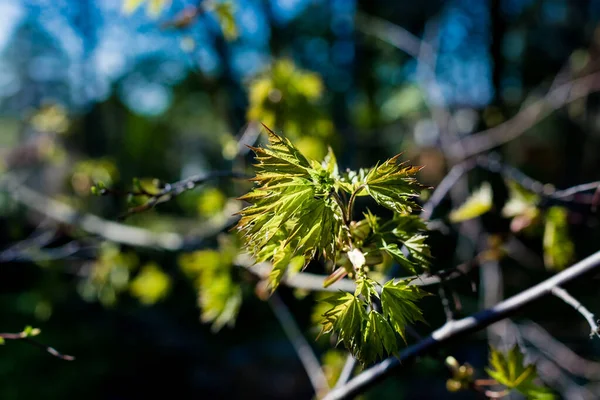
[129,6]
[477,204]
[2,341]
[346,317]
[219,296]
[559,250]
[151,284]
[379,339]
[365,286]
[155,7]
[520,201]
[224,13]
[393,185]
[293,212]
[398,304]
[510,370]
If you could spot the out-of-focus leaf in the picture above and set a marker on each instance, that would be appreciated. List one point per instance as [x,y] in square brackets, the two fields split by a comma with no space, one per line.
[151,284]
[478,203]
[510,370]
[154,7]
[559,250]
[219,296]
[210,202]
[224,13]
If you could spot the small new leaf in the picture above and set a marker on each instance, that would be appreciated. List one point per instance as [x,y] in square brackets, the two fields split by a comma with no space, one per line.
[398,303]
[510,370]
[379,339]
[559,250]
[292,212]
[393,185]
[477,204]
[346,317]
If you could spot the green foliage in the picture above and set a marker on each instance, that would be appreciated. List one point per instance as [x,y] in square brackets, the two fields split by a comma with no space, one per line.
[224,12]
[293,211]
[108,275]
[91,176]
[150,285]
[287,98]
[154,7]
[219,296]
[558,247]
[299,211]
[521,207]
[477,204]
[398,302]
[510,370]
[392,185]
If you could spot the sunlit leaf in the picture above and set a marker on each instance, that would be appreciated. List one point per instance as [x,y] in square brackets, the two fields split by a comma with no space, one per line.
[477,204]
[292,212]
[559,250]
[151,284]
[393,185]
[346,318]
[398,302]
[219,296]
[224,13]
[510,370]
[154,7]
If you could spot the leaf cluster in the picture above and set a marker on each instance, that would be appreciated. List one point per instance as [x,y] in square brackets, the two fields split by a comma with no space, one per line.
[301,209]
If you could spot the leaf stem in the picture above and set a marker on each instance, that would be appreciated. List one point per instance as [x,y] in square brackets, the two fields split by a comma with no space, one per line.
[350,208]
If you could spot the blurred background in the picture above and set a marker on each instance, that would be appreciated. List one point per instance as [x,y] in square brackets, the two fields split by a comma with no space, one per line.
[122,93]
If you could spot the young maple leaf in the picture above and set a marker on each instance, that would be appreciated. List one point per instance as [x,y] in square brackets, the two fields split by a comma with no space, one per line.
[511,371]
[393,185]
[292,212]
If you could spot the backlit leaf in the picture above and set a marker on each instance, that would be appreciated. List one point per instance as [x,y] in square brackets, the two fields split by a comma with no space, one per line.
[393,185]
[477,204]
[510,370]
[398,302]
[558,248]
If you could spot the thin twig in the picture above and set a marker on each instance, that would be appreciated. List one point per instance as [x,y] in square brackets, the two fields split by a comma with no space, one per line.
[556,350]
[526,118]
[171,190]
[347,371]
[462,327]
[585,313]
[305,353]
[314,282]
[114,231]
[24,337]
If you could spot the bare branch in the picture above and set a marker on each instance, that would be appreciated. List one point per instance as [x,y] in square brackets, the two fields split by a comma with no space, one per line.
[311,364]
[573,302]
[347,371]
[557,351]
[463,327]
[526,118]
[114,231]
[314,282]
[26,337]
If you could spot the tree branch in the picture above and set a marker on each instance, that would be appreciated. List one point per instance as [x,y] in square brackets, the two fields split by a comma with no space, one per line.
[580,308]
[311,364]
[314,282]
[114,231]
[526,118]
[463,327]
[26,337]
